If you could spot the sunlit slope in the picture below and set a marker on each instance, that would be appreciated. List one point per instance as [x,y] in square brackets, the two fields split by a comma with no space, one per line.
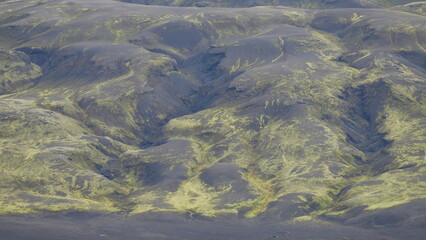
[257,112]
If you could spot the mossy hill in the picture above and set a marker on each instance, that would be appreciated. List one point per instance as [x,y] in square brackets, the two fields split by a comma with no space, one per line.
[289,113]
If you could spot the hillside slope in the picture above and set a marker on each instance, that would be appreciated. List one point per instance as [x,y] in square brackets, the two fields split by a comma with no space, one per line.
[279,113]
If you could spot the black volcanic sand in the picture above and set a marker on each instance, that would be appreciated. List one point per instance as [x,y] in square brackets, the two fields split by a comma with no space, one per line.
[92,226]
[401,222]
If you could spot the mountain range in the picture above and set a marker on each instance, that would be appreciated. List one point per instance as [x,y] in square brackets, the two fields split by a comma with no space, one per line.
[277,113]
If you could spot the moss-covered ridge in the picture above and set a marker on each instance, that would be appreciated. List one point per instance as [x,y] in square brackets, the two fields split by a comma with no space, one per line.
[285,112]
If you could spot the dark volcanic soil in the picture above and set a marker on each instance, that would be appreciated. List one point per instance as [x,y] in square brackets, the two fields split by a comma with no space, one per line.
[392,224]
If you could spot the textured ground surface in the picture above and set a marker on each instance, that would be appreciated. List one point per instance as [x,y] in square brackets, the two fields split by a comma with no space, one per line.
[212,118]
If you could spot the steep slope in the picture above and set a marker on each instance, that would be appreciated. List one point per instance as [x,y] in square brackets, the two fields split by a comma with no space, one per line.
[278,113]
